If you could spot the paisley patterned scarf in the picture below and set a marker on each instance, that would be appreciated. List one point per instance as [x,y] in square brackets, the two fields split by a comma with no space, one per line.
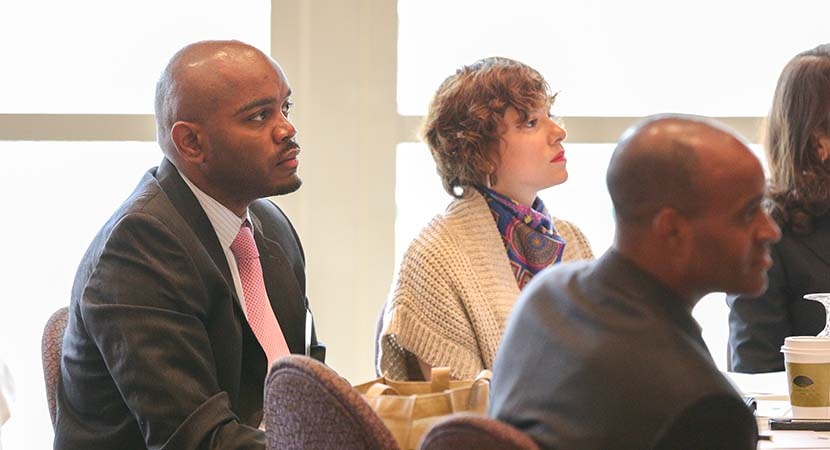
[531,241]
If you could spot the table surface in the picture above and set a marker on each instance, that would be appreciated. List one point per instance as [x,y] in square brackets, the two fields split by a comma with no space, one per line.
[770,393]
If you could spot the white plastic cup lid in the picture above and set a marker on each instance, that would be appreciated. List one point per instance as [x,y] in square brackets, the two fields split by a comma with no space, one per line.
[806,344]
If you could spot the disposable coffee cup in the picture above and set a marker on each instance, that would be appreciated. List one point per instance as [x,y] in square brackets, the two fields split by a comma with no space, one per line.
[807,360]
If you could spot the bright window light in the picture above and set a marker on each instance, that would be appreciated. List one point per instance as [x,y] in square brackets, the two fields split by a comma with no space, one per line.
[102,57]
[56,196]
[611,58]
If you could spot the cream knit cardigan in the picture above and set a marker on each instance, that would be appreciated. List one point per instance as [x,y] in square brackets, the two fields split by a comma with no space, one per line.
[454,291]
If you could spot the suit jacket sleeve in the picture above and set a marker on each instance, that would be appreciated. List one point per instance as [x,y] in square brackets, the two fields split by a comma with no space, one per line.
[145,306]
[717,422]
[758,325]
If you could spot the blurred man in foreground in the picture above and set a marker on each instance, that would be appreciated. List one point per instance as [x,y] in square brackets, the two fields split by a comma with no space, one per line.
[606,354]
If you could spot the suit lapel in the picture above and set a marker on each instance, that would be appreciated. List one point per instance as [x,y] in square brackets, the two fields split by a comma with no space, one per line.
[284,291]
[280,281]
[191,211]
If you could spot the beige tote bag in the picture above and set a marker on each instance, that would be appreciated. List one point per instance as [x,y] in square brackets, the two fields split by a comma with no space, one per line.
[409,408]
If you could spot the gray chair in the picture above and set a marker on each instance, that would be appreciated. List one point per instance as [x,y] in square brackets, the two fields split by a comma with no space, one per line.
[465,431]
[309,406]
[51,349]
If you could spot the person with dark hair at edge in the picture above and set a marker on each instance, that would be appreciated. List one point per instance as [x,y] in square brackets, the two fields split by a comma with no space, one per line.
[798,154]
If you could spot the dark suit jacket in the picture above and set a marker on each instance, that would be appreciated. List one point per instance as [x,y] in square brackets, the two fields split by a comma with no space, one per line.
[600,355]
[157,352]
[758,326]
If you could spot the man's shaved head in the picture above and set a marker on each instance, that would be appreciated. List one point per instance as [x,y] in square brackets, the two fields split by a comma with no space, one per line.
[658,164]
[222,116]
[193,81]
[688,197]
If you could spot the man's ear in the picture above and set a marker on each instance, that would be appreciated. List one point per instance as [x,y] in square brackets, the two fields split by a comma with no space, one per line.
[185,137]
[671,227]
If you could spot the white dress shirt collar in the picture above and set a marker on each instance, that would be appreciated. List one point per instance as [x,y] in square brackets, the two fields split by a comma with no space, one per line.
[224,221]
[226,224]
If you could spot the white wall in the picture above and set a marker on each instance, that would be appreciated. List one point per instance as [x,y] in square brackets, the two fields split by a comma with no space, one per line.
[340,60]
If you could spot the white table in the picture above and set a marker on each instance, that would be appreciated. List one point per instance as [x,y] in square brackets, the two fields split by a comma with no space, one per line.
[770,392]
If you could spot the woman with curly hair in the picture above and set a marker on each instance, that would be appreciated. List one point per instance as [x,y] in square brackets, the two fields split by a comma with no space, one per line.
[798,154]
[495,146]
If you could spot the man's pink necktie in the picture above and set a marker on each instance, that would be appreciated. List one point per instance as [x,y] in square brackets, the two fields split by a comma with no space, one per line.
[257,307]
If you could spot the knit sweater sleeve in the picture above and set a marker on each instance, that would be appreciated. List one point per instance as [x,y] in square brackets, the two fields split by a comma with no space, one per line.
[425,315]
[454,291]
[577,246]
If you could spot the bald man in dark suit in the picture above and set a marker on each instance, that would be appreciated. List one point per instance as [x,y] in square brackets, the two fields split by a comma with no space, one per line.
[159,352]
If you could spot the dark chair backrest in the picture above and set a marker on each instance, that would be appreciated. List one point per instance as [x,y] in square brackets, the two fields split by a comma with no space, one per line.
[309,406]
[465,431]
[50,347]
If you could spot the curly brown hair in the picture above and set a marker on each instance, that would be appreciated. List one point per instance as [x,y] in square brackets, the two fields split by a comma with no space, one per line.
[799,178]
[464,117]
